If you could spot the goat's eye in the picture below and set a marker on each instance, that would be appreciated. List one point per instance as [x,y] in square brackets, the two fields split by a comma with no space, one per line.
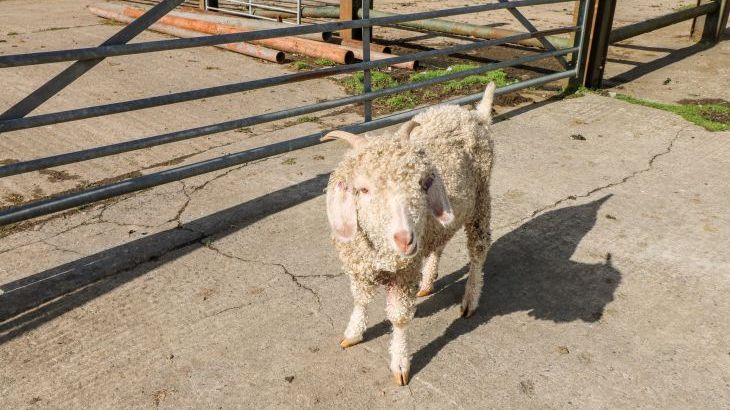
[364,191]
[427,182]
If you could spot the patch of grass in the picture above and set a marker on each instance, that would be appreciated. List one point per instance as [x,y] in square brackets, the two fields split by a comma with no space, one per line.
[712,117]
[325,62]
[378,80]
[429,94]
[13,33]
[573,91]
[402,101]
[289,161]
[306,118]
[300,65]
[429,74]
[499,77]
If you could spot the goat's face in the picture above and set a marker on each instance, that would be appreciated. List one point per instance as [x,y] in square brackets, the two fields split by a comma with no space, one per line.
[387,189]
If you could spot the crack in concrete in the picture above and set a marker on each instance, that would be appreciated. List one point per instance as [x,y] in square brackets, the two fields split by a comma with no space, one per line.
[59,248]
[236,307]
[294,278]
[625,179]
[188,195]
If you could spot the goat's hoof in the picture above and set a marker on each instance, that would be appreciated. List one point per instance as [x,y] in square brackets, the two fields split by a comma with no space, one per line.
[400,378]
[423,293]
[467,312]
[347,342]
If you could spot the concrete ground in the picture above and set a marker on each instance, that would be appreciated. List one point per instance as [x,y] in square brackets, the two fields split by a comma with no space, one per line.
[606,286]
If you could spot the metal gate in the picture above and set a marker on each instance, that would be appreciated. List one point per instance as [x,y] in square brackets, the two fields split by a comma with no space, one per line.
[248,8]
[17,118]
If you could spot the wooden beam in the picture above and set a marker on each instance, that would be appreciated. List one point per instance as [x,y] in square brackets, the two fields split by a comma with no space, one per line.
[348,11]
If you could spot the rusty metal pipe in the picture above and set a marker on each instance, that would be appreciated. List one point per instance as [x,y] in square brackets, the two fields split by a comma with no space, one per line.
[357,43]
[248,23]
[289,44]
[252,50]
[374,55]
[434,25]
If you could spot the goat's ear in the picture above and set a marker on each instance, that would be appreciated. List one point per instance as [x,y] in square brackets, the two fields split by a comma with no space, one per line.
[438,199]
[342,211]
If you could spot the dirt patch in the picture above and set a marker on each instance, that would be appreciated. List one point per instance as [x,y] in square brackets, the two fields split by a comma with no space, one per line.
[14,199]
[705,101]
[717,116]
[159,396]
[8,161]
[171,162]
[58,176]
[512,100]
[7,230]
[710,113]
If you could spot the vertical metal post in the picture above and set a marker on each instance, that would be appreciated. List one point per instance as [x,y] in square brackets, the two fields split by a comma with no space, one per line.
[600,39]
[366,86]
[709,28]
[348,11]
[585,21]
[724,17]
[577,10]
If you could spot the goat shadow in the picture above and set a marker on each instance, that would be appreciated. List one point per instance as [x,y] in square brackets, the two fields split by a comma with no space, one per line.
[528,269]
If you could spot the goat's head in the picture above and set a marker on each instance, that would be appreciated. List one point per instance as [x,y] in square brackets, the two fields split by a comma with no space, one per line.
[387,188]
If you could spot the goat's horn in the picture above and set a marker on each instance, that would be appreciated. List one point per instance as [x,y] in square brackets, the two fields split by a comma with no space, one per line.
[354,140]
[407,128]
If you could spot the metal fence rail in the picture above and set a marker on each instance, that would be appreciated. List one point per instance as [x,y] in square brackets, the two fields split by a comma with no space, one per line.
[247,8]
[602,34]
[15,119]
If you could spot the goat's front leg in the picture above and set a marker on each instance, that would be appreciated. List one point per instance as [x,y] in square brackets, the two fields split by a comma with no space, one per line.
[400,308]
[362,294]
[429,273]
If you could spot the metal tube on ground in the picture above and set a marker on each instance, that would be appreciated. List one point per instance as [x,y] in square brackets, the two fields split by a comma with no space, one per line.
[289,44]
[241,48]
[357,43]
[249,23]
[90,53]
[435,24]
[374,55]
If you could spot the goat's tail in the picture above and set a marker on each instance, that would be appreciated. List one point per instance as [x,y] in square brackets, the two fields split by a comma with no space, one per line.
[484,109]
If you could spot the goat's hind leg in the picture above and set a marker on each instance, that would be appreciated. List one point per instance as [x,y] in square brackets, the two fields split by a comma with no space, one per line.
[479,238]
[362,294]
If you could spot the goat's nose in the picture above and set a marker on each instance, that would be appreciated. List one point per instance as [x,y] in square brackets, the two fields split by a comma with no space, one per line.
[404,240]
